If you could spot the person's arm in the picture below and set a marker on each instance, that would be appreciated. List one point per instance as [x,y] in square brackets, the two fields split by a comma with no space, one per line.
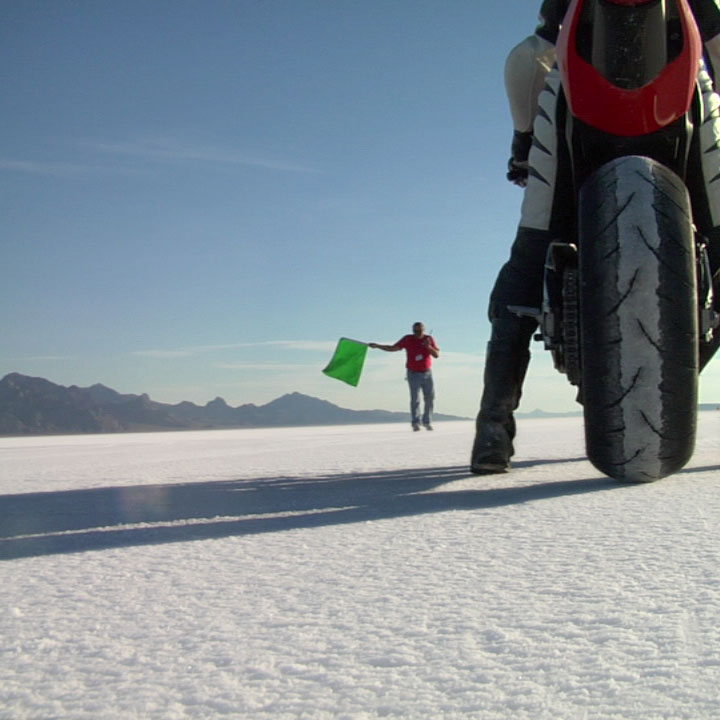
[386,348]
[526,67]
[551,16]
[433,349]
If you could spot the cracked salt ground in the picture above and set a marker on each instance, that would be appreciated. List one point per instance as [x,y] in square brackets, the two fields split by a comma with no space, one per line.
[354,572]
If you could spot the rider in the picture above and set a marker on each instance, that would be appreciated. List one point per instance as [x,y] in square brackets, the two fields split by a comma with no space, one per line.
[539,163]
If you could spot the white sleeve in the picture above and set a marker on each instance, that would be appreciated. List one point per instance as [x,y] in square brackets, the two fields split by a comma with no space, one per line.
[526,66]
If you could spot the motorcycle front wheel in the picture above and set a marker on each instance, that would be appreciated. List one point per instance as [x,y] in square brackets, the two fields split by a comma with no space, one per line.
[638,320]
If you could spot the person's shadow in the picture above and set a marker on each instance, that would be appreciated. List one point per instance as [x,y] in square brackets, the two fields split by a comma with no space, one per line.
[46,523]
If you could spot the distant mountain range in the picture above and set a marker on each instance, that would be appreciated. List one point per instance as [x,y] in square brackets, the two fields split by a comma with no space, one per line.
[35,406]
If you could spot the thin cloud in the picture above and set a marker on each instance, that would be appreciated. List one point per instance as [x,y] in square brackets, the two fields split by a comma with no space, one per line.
[45,358]
[166,150]
[166,354]
[266,367]
[157,150]
[51,169]
[305,345]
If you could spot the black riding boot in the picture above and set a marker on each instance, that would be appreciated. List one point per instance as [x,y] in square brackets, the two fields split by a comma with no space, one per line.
[507,359]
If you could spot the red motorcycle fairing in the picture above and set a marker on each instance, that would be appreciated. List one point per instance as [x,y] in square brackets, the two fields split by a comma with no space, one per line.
[629,2]
[609,88]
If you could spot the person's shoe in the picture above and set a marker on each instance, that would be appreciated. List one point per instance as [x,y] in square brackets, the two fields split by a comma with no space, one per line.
[492,450]
[416,427]
[428,426]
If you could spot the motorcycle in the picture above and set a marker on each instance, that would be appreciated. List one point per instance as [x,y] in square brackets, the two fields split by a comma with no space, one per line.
[628,297]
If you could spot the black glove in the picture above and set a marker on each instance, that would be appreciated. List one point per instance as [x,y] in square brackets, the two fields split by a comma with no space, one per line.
[517,174]
[518,162]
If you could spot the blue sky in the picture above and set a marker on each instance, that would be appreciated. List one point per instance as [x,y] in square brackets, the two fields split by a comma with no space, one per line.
[199,197]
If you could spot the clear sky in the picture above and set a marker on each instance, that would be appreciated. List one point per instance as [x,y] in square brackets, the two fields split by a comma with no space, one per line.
[199,197]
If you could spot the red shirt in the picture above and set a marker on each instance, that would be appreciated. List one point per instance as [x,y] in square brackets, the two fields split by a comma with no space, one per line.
[419,358]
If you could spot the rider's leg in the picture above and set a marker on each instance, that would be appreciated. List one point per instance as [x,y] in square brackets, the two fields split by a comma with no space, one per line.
[506,362]
[520,282]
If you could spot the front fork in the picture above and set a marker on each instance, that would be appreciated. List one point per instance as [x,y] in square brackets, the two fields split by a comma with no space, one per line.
[708,317]
[559,317]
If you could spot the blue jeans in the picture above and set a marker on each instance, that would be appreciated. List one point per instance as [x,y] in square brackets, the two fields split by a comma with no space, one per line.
[421,381]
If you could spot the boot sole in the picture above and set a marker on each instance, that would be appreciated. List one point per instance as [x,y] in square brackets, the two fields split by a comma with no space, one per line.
[489,468]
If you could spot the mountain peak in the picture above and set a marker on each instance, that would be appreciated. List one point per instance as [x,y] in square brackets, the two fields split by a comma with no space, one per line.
[217,402]
[38,406]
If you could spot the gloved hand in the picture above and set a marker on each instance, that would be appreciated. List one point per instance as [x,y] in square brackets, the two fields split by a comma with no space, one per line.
[518,162]
[517,174]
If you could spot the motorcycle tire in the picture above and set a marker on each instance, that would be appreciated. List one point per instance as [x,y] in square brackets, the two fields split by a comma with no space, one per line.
[638,320]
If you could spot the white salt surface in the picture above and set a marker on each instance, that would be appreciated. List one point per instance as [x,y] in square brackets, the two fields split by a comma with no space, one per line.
[354,573]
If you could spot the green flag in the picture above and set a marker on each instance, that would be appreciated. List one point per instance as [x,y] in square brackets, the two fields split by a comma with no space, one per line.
[347,362]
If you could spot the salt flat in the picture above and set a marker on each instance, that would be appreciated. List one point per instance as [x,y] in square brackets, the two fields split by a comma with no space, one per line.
[354,572]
